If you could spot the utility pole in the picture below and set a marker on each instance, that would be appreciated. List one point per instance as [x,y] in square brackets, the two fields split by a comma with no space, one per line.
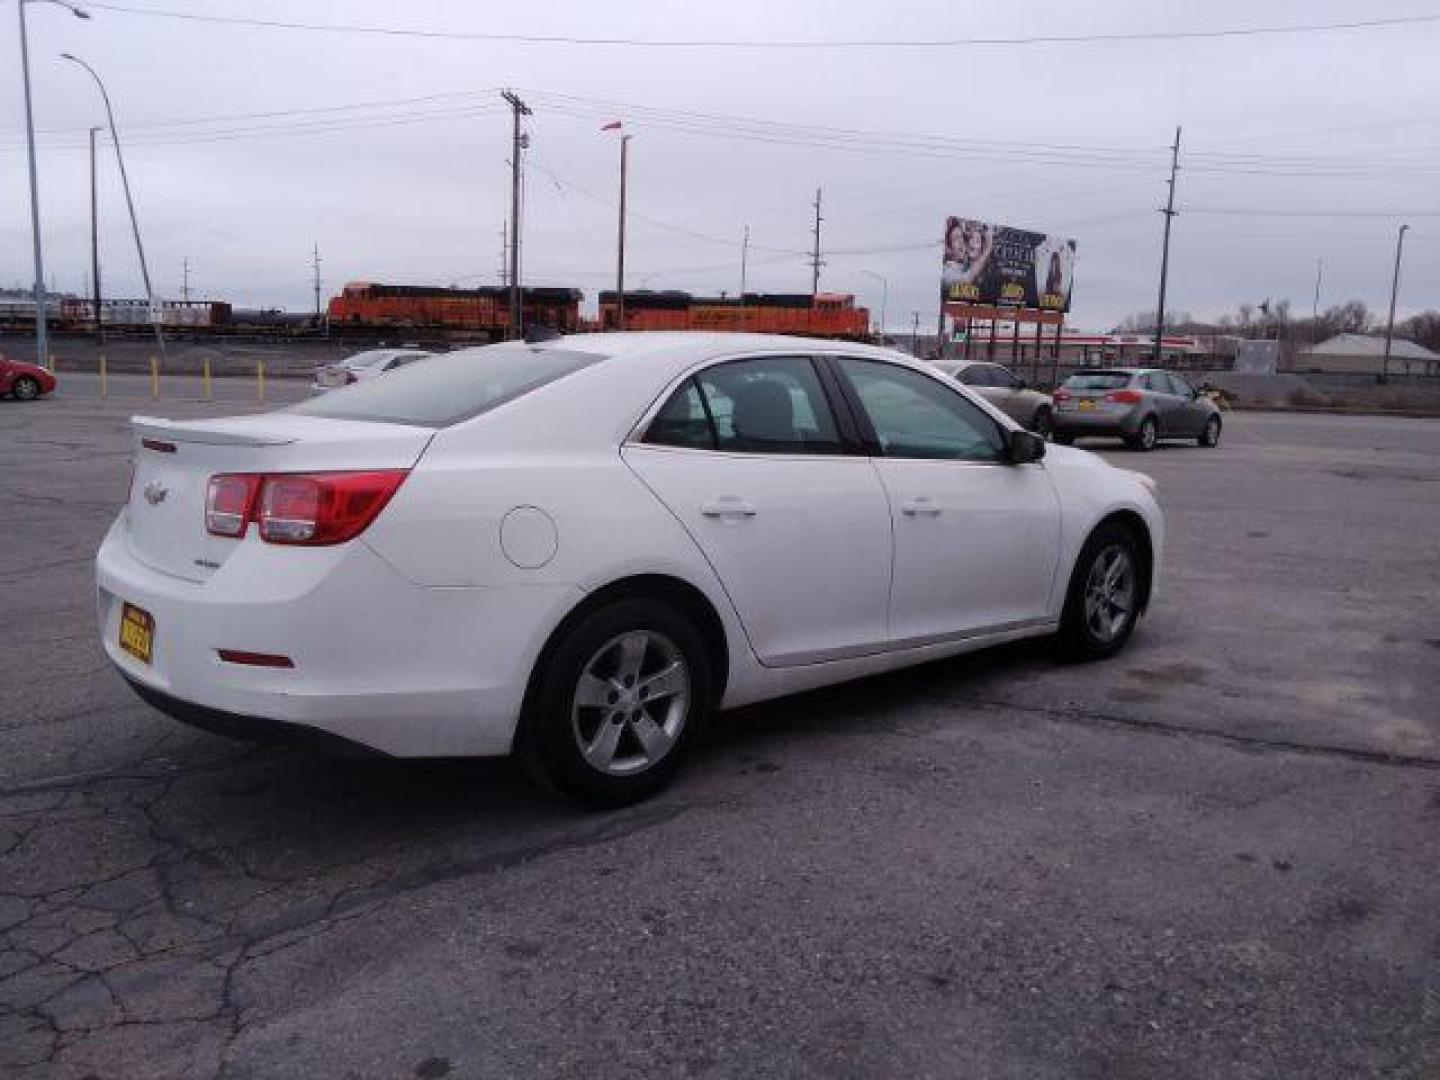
[815,262]
[518,142]
[185,280]
[1394,291]
[315,265]
[1169,213]
[915,335]
[620,255]
[744,260]
[95,243]
[504,251]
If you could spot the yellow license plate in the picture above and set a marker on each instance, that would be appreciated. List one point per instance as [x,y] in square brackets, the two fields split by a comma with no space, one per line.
[137,632]
[1087,405]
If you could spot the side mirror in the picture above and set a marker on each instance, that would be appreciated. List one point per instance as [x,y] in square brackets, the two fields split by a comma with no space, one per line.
[1025,447]
[1021,384]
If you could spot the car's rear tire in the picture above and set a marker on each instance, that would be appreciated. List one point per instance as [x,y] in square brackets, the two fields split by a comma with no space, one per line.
[25,388]
[1063,440]
[622,696]
[1105,594]
[1145,439]
[1042,423]
[1210,436]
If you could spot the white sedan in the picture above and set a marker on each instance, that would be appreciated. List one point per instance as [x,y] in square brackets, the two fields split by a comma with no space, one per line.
[577,550]
[362,366]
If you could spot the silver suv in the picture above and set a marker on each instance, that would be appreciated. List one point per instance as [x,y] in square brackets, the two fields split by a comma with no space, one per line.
[1140,405]
[1005,390]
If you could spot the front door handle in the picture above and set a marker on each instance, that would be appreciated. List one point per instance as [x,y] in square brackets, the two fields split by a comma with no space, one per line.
[920,505]
[728,507]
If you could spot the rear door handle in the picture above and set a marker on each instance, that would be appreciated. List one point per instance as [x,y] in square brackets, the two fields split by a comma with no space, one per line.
[920,505]
[728,507]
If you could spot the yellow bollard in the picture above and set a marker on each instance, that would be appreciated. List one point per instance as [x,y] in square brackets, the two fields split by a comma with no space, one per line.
[206,378]
[154,378]
[260,382]
[102,376]
[52,363]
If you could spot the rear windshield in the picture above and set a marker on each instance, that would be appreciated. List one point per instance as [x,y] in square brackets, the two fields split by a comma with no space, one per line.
[447,389]
[1097,380]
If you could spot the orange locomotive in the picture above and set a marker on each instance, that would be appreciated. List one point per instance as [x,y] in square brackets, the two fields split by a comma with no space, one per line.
[486,309]
[831,315]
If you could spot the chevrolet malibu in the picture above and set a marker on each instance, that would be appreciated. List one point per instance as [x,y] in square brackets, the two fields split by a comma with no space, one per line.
[577,551]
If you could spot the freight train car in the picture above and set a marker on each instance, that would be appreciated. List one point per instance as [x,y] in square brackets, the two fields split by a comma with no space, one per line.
[485,310]
[831,315]
[77,313]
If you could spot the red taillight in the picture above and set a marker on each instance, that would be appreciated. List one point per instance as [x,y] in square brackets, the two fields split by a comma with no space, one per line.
[255,659]
[1124,397]
[1061,395]
[299,508]
[228,502]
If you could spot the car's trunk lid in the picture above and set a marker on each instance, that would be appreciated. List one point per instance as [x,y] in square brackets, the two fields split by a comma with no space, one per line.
[174,460]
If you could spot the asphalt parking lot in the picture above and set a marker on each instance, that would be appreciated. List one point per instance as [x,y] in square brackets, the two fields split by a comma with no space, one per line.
[1213,856]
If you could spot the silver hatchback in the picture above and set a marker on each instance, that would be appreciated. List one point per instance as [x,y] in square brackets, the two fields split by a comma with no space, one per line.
[1140,405]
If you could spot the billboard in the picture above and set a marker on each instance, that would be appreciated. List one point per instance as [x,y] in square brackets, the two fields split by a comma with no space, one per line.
[993,264]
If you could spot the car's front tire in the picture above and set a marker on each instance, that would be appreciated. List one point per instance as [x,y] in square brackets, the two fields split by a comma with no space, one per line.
[25,388]
[1210,436]
[622,696]
[1105,595]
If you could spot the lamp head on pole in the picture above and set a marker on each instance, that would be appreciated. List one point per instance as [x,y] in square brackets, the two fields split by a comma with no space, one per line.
[74,9]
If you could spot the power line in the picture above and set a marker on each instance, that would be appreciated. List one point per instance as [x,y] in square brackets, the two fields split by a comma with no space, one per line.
[778,44]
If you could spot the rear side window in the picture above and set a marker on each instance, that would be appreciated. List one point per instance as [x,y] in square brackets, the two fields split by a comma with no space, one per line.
[447,389]
[975,375]
[1097,380]
[766,405]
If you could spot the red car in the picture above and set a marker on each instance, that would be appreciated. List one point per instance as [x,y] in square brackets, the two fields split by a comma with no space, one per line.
[24,382]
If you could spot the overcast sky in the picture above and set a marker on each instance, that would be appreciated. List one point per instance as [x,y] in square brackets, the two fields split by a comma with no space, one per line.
[1069,138]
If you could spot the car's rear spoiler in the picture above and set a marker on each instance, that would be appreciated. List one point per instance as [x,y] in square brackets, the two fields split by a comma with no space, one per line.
[208,432]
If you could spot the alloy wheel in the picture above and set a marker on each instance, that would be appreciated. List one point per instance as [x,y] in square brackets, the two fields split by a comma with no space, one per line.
[26,389]
[631,703]
[1110,593]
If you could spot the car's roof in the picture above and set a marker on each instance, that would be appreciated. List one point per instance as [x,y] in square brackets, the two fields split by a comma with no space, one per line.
[677,350]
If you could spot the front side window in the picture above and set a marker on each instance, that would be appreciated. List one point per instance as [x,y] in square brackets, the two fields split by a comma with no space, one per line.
[1004,378]
[1180,386]
[975,375]
[915,416]
[767,405]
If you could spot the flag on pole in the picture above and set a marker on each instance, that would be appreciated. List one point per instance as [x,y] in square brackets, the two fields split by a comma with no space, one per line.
[614,125]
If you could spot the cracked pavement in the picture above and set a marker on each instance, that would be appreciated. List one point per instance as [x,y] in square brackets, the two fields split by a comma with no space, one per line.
[1214,855]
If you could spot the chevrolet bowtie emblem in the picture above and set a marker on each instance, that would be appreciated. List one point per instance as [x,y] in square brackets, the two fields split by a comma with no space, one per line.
[155,492]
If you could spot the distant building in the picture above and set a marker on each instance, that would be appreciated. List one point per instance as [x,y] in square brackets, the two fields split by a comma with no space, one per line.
[1364,353]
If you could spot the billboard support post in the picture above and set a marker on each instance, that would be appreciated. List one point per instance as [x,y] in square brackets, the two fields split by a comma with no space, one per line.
[990,349]
[969,333]
[1039,347]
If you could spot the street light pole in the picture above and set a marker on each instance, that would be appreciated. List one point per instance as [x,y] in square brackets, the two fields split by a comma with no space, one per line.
[42,342]
[129,200]
[1394,290]
[620,255]
[95,240]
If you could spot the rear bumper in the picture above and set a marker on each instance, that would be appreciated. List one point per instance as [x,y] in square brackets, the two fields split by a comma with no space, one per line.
[256,729]
[1075,422]
[380,662]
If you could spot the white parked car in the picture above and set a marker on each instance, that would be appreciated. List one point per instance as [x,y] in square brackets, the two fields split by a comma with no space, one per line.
[362,366]
[577,550]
